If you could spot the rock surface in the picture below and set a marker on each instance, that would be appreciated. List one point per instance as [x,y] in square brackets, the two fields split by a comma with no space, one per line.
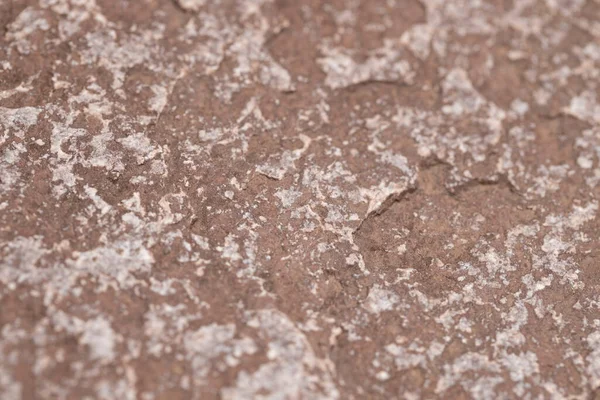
[299,199]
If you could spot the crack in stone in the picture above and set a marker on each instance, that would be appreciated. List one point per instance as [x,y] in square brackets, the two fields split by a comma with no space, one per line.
[386,205]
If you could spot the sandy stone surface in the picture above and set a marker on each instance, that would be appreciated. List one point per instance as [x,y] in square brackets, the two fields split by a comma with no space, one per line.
[277,199]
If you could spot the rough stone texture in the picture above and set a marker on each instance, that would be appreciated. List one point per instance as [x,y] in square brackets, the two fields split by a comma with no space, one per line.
[311,199]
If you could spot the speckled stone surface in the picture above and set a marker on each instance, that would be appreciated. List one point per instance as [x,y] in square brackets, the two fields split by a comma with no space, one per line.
[358,199]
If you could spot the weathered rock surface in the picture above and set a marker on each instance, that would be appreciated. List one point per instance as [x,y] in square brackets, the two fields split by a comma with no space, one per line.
[299,199]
